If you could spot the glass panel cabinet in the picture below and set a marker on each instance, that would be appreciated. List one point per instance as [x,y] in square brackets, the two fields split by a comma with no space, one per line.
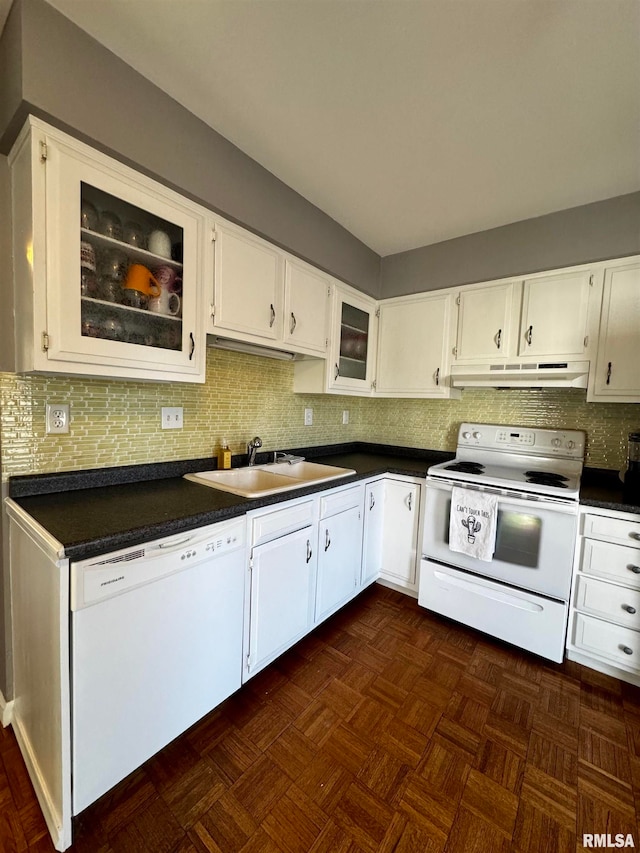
[119,259]
[355,325]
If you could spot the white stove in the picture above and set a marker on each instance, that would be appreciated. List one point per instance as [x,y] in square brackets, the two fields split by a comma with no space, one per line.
[523,461]
[519,593]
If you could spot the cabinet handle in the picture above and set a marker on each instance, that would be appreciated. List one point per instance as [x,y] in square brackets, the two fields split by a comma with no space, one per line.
[629,608]
[193,346]
[372,503]
[309,551]
[608,373]
[529,335]
[634,569]
[273,316]
[498,338]
[292,326]
[627,650]
[410,500]
[337,373]
[327,539]
[635,535]
[436,376]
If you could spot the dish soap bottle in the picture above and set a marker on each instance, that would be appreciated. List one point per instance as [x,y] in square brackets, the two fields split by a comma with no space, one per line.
[224,455]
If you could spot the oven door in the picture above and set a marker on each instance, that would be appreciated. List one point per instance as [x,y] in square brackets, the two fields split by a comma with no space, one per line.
[535,541]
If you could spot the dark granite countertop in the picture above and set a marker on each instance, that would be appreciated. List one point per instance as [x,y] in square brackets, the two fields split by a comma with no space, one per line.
[93,512]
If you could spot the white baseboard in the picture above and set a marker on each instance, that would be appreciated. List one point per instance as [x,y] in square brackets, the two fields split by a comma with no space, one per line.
[6,711]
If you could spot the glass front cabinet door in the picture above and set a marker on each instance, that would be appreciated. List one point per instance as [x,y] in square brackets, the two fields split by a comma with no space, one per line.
[354,342]
[119,261]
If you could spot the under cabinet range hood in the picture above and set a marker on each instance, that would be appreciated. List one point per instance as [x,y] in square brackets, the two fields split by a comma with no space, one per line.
[252,349]
[540,374]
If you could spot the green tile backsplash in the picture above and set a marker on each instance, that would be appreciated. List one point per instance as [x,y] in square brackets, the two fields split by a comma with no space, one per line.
[116,422]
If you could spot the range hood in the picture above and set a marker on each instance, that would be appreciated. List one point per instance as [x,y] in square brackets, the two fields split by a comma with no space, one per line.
[541,374]
[252,349]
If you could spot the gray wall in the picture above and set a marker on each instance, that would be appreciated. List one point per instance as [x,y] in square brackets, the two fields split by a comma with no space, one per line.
[58,72]
[592,232]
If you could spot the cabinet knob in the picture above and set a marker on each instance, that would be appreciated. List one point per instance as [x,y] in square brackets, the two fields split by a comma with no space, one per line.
[635,536]
[627,650]
[634,569]
[629,608]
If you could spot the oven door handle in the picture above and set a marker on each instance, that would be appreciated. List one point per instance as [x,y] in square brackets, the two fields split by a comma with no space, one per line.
[539,503]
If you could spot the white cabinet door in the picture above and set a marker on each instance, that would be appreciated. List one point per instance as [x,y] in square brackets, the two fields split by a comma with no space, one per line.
[485,319]
[414,341]
[339,560]
[401,524]
[617,377]
[354,328]
[112,282]
[554,315]
[248,285]
[373,531]
[306,308]
[282,588]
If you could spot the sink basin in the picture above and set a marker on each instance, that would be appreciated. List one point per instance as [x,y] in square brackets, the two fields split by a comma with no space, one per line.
[259,480]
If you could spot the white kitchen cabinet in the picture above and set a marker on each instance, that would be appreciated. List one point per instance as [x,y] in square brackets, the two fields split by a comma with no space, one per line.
[282,590]
[373,532]
[401,532]
[555,315]
[350,364]
[133,235]
[486,321]
[414,346]
[248,285]
[616,378]
[604,627]
[306,308]
[339,550]
[543,317]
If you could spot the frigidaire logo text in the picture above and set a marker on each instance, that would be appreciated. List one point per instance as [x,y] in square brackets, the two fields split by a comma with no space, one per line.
[113,580]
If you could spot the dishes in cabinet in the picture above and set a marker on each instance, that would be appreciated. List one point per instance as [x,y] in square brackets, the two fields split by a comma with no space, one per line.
[110,225]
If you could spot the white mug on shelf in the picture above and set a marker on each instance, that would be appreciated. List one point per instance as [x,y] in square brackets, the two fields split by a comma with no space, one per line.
[160,244]
[166,303]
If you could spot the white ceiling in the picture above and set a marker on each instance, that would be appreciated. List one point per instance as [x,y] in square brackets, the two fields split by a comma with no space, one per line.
[407,121]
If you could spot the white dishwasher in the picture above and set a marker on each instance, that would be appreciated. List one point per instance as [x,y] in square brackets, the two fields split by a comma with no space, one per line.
[156,643]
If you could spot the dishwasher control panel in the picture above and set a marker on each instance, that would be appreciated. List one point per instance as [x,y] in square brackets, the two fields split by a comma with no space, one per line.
[103,577]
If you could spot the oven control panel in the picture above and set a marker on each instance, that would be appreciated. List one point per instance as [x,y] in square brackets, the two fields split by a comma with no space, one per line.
[547,442]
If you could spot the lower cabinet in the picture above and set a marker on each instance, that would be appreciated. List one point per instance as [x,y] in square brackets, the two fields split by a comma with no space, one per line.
[373,533]
[339,550]
[604,629]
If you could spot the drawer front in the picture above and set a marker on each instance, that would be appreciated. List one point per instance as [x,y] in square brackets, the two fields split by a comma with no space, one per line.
[612,529]
[269,526]
[616,562]
[613,642]
[604,599]
[341,501]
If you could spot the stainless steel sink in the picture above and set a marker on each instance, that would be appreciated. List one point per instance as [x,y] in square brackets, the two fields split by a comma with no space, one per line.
[259,480]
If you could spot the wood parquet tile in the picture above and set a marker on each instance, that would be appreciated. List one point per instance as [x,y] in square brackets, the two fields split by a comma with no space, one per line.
[388,730]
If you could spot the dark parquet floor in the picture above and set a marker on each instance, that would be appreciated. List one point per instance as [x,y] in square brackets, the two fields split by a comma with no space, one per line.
[387,729]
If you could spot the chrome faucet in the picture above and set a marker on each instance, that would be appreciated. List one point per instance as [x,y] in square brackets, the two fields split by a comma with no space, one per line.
[253,445]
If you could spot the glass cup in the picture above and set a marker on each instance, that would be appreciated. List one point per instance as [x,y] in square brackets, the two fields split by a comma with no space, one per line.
[110,225]
[88,216]
[134,235]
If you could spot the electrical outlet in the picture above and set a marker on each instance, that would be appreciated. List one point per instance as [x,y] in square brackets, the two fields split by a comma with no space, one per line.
[345,416]
[308,417]
[57,418]
[172,417]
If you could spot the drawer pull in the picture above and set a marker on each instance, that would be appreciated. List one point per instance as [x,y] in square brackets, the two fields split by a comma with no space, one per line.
[635,536]
[634,569]
[629,608]
[627,650]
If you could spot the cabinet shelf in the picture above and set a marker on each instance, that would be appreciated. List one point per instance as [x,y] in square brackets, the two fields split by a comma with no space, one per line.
[134,253]
[128,310]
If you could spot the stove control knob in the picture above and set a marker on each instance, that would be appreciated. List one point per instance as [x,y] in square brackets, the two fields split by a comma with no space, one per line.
[556,442]
[466,435]
[570,444]
[477,435]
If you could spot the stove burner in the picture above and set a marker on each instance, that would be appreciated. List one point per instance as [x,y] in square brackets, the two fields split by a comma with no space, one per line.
[466,467]
[547,478]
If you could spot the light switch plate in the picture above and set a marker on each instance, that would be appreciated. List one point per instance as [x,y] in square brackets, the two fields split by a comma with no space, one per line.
[172,417]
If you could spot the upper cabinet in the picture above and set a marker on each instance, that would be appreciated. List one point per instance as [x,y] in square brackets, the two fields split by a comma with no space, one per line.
[616,378]
[108,265]
[262,295]
[549,316]
[414,345]
[350,363]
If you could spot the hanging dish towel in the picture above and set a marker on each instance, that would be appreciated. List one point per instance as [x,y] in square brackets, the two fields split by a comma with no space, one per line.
[472,523]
